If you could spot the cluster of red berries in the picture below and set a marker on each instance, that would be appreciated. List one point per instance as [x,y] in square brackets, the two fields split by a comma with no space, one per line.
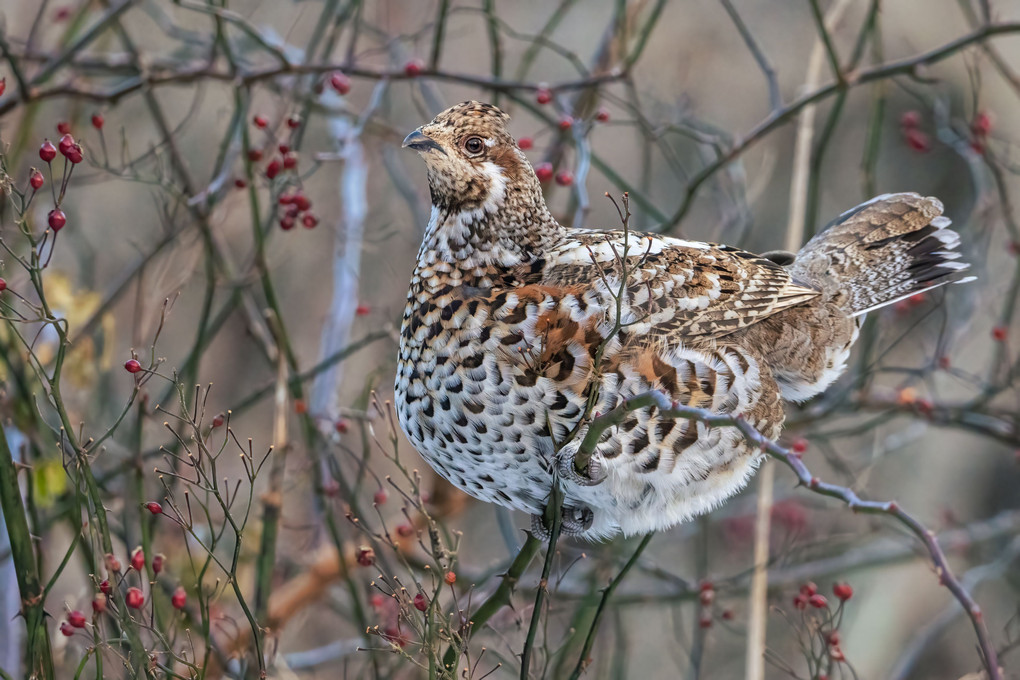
[133,596]
[73,155]
[544,172]
[706,596]
[296,205]
[809,595]
[915,138]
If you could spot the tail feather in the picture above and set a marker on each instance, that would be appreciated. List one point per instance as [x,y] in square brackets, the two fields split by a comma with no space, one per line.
[881,252]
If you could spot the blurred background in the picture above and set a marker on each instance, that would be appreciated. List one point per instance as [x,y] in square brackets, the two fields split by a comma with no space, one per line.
[278,276]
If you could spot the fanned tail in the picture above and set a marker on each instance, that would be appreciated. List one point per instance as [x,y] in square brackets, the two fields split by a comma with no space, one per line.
[882,251]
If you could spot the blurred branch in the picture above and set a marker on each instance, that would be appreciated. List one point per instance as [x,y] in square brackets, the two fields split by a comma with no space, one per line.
[779,117]
[775,98]
[186,74]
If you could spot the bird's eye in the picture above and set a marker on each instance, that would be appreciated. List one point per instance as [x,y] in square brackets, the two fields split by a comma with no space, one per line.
[474,145]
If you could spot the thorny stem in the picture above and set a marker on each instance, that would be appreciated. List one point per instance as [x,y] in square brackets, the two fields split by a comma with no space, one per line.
[607,593]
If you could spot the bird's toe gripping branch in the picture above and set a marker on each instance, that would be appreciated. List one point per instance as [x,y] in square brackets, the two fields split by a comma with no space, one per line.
[581,470]
[576,519]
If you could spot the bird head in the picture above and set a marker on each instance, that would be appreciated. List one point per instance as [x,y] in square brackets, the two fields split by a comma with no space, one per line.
[474,164]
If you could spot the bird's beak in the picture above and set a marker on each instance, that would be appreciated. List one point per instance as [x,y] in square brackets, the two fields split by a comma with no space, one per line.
[421,142]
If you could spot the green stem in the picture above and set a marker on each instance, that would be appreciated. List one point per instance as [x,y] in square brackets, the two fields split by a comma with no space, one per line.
[37,655]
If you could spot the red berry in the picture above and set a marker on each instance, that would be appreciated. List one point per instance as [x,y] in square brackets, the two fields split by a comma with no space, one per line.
[525,143]
[134,598]
[254,155]
[302,202]
[999,333]
[104,586]
[799,445]
[727,615]
[842,591]
[706,620]
[3,85]
[63,127]
[99,603]
[800,602]
[543,96]
[112,563]
[300,406]
[157,563]
[832,638]
[602,116]
[341,426]
[132,366]
[564,178]
[836,654]
[413,68]
[310,221]
[66,143]
[707,597]
[74,154]
[420,603]
[982,124]
[47,151]
[240,183]
[284,149]
[3,285]
[76,619]
[363,310]
[35,179]
[818,601]
[290,161]
[260,121]
[917,140]
[566,122]
[405,530]
[544,171]
[273,169]
[57,219]
[218,420]
[154,507]
[179,598]
[340,82]
[285,199]
[910,119]
[450,578]
[294,122]
[808,589]
[66,629]
[97,121]
[365,557]
[138,559]
[380,497]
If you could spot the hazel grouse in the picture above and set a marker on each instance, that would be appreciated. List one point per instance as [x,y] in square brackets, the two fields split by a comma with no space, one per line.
[508,309]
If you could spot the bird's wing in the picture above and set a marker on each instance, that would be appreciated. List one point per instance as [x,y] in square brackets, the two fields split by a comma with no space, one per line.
[683,289]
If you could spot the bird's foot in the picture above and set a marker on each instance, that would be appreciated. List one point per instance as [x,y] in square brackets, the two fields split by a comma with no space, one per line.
[576,519]
[583,473]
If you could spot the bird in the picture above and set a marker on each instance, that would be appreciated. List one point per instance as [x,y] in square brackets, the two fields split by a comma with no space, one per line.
[517,330]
